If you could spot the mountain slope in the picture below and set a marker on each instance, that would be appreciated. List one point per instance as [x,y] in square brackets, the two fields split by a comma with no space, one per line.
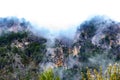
[24,54]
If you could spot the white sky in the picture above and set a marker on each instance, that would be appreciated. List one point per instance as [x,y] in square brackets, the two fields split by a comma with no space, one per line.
[59,14]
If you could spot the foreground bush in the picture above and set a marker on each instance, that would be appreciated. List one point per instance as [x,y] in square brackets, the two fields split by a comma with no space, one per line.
[48,75]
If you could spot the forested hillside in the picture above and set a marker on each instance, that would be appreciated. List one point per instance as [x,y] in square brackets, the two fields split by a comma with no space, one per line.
[26,55]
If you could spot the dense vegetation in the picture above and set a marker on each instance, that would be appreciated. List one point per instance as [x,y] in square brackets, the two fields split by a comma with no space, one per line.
[18,51]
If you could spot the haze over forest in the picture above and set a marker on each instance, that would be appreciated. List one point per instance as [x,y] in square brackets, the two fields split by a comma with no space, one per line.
[59,40]
[26,52]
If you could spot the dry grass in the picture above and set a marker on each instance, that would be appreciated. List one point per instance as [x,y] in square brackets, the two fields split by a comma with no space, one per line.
[112,73]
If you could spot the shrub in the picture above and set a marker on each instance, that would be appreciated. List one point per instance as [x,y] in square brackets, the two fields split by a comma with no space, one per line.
[48,75]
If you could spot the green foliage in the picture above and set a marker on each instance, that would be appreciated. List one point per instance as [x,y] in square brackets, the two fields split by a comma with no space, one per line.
[32,52]
[87,29]
[15,50]
[48,75]
[88,50]
[7,38]
[35,51]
